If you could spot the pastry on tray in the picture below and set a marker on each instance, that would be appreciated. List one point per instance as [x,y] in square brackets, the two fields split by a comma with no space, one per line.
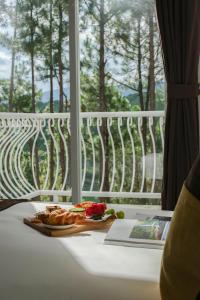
[81,213]
[50,208]
[43,216]
[59,216]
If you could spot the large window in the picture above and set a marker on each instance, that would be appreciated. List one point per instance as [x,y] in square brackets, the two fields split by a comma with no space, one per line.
[34,78]
[122,70]
[122,82]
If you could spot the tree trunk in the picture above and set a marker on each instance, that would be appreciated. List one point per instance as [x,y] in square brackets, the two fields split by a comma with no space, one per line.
[140,82]
[139,64]
[33,80]
[151,75]
[11,89]
[103,106]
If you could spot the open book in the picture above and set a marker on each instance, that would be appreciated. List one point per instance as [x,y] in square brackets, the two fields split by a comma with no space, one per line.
[151,232]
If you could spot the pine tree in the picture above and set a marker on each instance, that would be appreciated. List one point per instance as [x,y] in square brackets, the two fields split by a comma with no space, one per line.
[13,45]
[102,14]
[8,17]
[138,46]
[28,35]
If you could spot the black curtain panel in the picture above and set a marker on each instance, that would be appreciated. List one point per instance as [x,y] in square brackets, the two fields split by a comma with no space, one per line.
[179,24]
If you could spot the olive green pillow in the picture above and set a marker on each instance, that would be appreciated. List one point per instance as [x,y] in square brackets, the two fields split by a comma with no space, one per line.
[180,269]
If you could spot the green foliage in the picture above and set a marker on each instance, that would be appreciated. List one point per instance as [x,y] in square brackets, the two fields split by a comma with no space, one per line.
[4,87]
[22,95]
[89,95]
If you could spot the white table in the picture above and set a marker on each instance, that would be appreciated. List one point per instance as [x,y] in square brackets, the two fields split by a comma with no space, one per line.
[36,267]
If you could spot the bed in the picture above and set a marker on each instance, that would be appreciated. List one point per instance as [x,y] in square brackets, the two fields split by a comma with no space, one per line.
[80,267]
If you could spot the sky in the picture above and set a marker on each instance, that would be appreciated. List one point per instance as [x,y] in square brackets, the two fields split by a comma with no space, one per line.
[5,63]
[5,66]
[5,69]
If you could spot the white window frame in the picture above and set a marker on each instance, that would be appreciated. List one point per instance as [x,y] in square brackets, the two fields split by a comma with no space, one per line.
[74,59]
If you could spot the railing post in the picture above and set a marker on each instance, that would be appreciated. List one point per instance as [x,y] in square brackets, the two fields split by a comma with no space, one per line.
[74,58]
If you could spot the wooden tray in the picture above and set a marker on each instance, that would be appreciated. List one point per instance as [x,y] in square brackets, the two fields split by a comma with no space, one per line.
[77,228]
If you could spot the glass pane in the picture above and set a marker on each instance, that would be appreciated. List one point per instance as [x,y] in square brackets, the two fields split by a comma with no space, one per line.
[121,71]
[34,78]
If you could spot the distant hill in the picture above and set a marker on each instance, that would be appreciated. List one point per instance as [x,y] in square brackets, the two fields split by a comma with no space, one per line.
[129,94]
[45,97]
[44,106]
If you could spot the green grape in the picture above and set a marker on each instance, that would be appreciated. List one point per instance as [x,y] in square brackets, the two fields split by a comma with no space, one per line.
[110,211]
[120,214]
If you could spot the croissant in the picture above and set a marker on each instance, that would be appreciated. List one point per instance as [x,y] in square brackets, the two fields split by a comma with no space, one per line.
[43,217]
[63,217]
[50,208]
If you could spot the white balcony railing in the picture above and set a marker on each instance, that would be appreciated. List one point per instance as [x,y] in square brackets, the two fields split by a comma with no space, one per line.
[121,154]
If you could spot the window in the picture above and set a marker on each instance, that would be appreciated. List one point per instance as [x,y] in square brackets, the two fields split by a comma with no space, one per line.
[122,98]
[122,71]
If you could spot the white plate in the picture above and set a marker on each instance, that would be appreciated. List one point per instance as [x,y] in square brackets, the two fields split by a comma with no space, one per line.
[58,226]
[104,218]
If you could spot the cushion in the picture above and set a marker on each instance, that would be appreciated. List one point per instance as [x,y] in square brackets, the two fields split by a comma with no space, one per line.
[180,269]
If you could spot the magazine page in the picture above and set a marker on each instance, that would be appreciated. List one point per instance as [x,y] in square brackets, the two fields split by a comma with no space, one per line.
[154,229]
[150,232]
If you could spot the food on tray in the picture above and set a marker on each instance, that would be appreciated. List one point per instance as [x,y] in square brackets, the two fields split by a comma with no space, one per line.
[35,220]
[110,211]
[84,204]
[78,210]
[50,208]
[59,216]
[96,210]
[55,215]
[43,216]
[119,214]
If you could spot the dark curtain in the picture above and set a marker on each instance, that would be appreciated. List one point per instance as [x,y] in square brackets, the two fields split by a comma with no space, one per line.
[179,24]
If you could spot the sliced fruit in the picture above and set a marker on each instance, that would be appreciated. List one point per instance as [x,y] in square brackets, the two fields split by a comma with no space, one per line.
[77,209]
[110,211]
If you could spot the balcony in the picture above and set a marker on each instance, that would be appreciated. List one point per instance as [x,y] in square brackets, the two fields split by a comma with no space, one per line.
[123,161]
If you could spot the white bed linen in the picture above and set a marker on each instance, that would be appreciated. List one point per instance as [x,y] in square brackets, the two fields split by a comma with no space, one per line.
[36,267]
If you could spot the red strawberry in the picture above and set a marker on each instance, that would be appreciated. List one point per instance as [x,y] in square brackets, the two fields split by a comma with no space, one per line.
[96,209]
